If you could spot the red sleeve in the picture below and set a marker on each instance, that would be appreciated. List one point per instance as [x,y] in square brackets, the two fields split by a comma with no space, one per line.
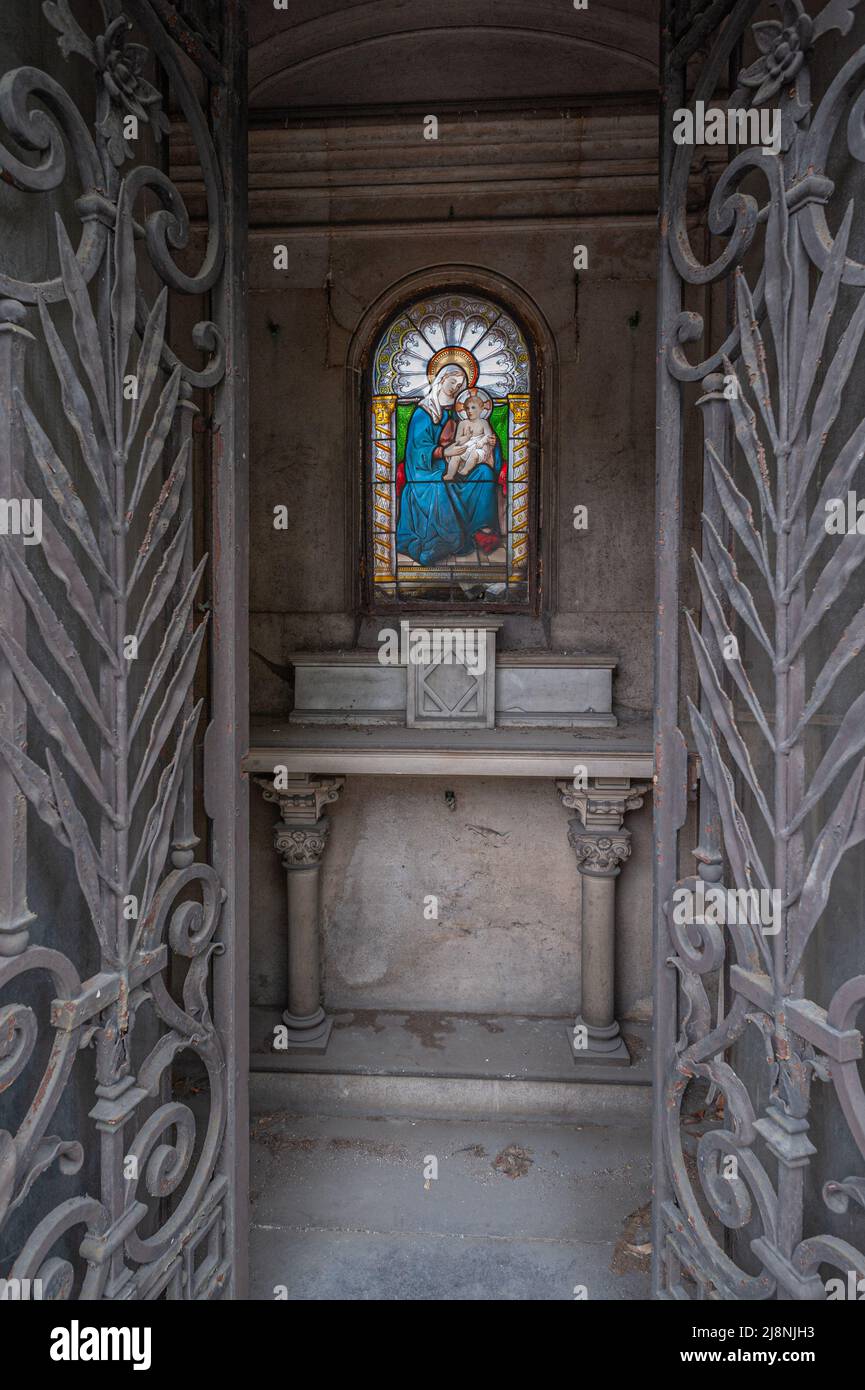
[445,438]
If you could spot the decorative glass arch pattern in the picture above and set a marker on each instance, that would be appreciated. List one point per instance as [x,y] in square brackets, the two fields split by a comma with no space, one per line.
[450,428]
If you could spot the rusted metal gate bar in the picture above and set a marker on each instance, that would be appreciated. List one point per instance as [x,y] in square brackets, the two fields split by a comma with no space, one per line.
[99,722]
[775,820]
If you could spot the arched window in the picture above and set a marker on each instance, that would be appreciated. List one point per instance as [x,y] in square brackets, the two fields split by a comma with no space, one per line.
[451,415]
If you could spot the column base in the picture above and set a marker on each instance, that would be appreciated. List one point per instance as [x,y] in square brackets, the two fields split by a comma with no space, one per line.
[602,1045]
[309,1033]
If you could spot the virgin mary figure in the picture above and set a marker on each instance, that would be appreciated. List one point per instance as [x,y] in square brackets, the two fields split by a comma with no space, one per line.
[439,519]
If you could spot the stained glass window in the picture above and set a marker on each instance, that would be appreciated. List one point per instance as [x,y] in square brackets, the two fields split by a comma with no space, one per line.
[450,429]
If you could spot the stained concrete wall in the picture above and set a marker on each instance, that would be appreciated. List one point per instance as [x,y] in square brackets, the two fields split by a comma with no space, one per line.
[508,932]
[507,936]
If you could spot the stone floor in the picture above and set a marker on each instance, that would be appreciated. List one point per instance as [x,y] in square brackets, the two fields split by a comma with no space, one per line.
[344,1208]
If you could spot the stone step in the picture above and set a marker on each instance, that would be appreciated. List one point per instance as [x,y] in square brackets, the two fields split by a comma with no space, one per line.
[348,1208]
[447,1066]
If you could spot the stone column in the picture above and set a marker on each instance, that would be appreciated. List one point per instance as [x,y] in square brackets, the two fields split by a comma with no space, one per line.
[300,839]
[602,846]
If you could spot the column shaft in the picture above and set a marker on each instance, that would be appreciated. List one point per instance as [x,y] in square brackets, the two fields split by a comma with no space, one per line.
[601,846]
[300,839]
[598,951]
[303,944]
[599,854]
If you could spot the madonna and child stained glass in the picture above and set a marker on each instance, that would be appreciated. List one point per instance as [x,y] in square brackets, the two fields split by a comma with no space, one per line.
[450,428]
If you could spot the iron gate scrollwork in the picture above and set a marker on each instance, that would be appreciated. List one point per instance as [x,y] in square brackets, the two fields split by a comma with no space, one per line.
[773,817]
[100,718]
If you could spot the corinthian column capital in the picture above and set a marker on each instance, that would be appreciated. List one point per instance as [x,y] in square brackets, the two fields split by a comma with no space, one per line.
[598,853]
[301,847]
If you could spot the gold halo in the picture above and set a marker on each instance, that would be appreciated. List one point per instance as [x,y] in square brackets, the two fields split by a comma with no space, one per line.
[460,402]
[460,356]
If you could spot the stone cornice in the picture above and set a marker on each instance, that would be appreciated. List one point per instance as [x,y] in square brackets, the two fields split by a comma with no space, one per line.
[379,172]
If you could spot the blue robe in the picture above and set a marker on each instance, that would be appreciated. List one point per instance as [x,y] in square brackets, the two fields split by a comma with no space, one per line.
[439,519]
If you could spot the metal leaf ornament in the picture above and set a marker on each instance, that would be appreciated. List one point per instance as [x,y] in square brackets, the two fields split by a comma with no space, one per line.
[783,544]
[122,728]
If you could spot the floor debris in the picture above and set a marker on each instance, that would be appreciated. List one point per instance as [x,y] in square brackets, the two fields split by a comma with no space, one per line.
[513,1161]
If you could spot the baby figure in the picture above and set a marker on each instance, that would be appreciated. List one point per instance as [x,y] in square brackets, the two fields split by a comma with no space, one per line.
[475,439]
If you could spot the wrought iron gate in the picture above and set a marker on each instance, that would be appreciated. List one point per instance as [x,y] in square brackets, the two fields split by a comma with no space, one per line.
[117,1179]
[757,1210]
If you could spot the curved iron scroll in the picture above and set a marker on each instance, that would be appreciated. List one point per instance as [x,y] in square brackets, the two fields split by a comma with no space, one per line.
[114,599]
[773,391]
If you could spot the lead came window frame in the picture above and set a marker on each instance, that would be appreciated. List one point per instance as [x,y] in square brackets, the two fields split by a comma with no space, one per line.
[432,329]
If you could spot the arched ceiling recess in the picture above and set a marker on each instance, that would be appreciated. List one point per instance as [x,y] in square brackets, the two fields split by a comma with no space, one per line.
[320,54]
